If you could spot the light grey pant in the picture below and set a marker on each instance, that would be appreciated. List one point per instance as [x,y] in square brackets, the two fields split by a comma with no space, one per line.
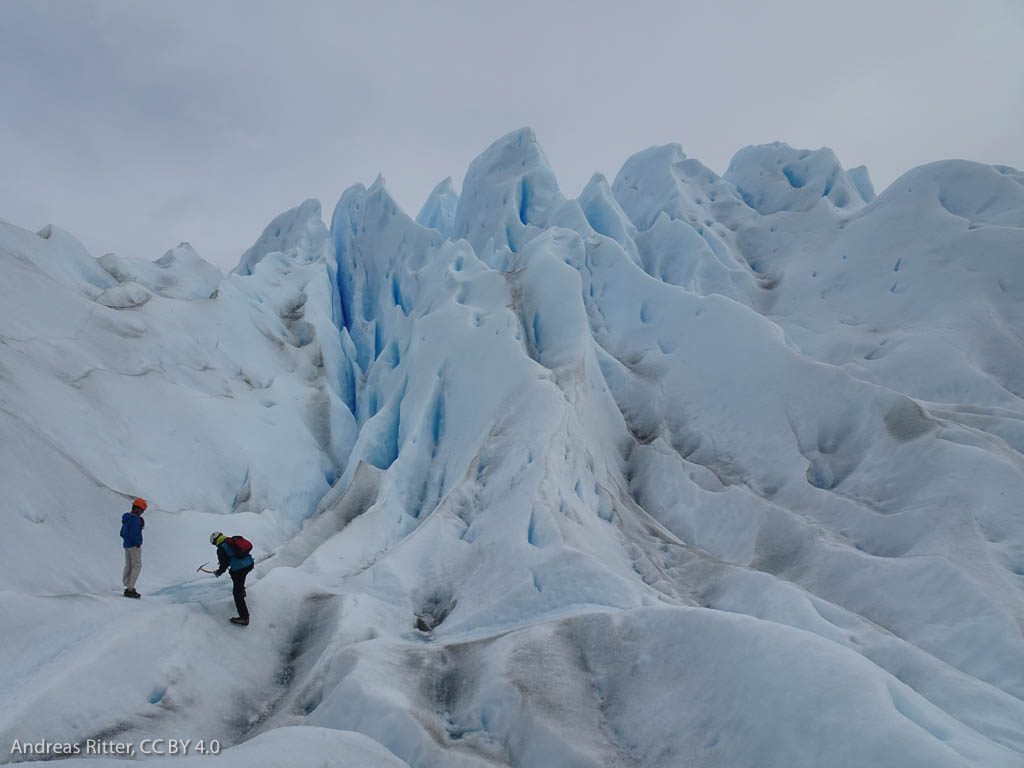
[132,566]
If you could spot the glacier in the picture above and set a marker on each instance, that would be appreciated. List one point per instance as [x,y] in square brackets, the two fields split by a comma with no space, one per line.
[690,470]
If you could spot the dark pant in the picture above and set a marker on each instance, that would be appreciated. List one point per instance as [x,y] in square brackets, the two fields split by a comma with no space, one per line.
[238,580]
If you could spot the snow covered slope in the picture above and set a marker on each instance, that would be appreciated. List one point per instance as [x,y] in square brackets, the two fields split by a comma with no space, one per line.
[690,470]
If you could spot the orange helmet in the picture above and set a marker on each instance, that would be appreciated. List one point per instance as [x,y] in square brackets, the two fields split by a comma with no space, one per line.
[140,503]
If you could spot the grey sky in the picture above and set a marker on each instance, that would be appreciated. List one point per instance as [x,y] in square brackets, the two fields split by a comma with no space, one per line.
[136,125]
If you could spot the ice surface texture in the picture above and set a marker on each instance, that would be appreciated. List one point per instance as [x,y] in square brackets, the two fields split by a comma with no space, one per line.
[689,470]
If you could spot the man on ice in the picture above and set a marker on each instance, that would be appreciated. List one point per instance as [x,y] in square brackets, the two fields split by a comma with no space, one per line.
[233,554]
[131,535]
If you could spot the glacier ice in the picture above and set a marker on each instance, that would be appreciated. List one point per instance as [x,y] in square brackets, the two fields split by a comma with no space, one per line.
[689,470]
[181,273]
[438,212]
[776,177]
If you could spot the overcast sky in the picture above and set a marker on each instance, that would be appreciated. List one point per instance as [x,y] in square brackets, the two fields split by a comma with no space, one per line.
[136,125]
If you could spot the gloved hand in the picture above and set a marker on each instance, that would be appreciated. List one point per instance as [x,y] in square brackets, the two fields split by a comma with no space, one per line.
[218,573]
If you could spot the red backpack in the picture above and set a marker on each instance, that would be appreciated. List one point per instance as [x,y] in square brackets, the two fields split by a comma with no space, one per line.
[240,544]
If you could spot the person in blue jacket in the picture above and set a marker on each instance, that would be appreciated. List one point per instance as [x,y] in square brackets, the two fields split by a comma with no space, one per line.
[239,564]
[131,534]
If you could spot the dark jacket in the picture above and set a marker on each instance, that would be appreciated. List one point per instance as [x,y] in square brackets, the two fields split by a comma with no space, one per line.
[131,529]
[228,560]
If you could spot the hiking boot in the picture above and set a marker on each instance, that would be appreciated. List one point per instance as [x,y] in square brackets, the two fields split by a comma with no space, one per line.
[240,621]
[132,593]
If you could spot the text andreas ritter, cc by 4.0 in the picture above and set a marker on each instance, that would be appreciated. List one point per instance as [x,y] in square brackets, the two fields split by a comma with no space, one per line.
[124,748]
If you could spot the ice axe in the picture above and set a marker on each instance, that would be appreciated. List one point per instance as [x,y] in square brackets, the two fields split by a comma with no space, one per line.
[203,569]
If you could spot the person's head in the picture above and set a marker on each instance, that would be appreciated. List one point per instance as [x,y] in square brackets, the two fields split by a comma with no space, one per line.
[216,538]
[139,506]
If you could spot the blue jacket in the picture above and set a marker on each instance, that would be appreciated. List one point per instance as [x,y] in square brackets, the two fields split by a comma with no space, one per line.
[227,560]
[131,529]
